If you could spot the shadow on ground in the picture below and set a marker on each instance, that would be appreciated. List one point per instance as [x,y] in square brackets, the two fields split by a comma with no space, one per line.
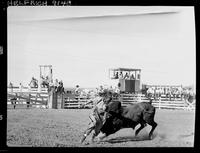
[129,138]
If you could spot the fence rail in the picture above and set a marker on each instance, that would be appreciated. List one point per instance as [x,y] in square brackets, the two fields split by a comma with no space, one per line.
[27,99]
[34,98]
[162,102]
[25,89]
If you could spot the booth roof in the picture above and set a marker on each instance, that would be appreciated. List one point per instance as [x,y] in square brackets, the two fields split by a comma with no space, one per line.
[125,69]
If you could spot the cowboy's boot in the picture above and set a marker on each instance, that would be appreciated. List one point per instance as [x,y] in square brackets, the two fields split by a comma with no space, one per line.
[93,136]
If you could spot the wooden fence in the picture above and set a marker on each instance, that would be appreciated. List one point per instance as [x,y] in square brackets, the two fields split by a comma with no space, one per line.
[33,98]
[25,89]
[27,99]
[162,102]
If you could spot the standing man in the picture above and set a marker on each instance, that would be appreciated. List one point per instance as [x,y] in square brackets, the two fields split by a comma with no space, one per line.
[56,84]
[11,87]
[121,75]
[20,87]
[77,90]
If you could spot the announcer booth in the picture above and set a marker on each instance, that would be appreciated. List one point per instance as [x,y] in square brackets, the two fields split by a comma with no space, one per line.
[129,80]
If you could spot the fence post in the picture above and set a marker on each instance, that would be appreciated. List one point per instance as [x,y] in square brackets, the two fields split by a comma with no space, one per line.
[80,99]
[139,98]
[28,100]
[39,88]
[59,100]
[17,100]
[68,101]
[63,101]
[121,98]
[50,99]
[11,89]
[159,102]
[55,102]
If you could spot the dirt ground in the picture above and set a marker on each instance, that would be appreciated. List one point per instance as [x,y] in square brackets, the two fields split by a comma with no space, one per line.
[63,128]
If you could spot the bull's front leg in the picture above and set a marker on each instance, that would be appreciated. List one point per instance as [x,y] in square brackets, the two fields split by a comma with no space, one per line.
[154,125]
[142,125]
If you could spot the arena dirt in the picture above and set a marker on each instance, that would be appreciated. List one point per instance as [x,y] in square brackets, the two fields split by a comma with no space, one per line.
[63,128]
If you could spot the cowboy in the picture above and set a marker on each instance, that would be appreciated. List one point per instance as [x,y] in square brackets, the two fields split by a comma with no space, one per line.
[97,115]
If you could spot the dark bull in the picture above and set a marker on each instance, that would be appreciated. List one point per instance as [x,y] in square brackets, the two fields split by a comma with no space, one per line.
[129,117]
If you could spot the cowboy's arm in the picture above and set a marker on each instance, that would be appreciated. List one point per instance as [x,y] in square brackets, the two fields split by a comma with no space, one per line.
[88,102]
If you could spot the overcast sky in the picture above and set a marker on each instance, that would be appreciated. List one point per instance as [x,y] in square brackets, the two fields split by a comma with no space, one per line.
[82,43]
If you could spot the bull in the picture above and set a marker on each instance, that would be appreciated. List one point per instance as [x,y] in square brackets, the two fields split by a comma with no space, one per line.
[128,117]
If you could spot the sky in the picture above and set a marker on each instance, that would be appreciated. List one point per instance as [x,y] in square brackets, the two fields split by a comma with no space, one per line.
[83,42]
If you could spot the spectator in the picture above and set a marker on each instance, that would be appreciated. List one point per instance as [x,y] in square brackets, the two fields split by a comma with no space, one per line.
[29,86]
[138,76]
[117,90]
[164,90]
[11,87]
[111,89]
[42,81]
[126,76]
[150,92]
[121,75]
[60,83]
[47,79]
[77,90]
[168,93]
[132,77]
[20,87]
[60,88]
[34,82]
[51,86]
[116,75]
[190,95]
[179,91]
[56,84]
[157,92]
[101,88]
